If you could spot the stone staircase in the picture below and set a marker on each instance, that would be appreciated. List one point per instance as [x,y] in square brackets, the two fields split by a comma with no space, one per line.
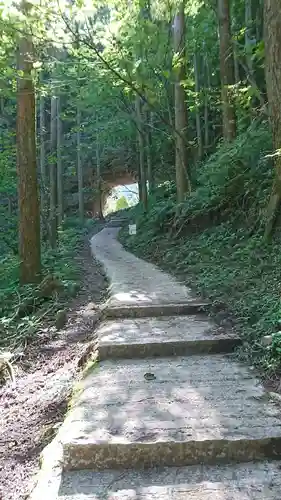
[167,413]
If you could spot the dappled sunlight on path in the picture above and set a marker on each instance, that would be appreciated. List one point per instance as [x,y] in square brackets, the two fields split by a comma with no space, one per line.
[168,410]
[133,281]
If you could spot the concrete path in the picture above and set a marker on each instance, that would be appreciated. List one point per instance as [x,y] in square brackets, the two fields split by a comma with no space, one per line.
[133,281]
[167,413]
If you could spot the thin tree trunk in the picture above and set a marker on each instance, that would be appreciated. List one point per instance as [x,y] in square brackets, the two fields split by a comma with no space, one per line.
[248,45]
[28,196]
[2,122]
[236,66]
[198,121]
[59,163]
[141,152]
[53,176]
[43,169]
[42,127]
[150,172]
[259,20]
[206,103]
[99,180]
[226,71]
[139,183]
[182,178]
[272,28]
[206,123]
[169,93]
[79,167]
[248,37]
[10,207]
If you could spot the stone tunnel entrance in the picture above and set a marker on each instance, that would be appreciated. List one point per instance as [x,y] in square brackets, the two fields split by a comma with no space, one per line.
[107,183]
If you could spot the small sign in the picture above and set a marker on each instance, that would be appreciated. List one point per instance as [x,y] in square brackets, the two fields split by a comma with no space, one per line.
[132,229]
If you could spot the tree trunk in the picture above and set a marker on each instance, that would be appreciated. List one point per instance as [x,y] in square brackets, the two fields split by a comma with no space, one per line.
[259,20]
[139,183]
[272,28]
[43,169]
[248,34]
[79,167]
[198,121]
[142,179]
[10,207]
[182,178]
[206,103]
[53,176]
[29,207]
[248,47]
[236,66]
[99,179]
[59,163]
[226,70]
[150,172]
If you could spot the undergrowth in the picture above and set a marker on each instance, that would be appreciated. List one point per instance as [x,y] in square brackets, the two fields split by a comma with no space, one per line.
[214,241]
[23,309]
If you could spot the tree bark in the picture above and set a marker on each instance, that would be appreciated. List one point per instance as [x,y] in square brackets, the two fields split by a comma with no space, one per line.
[198,121]
[10,207]
[206,102]
[248,34]
[259,20]
[59,163]
[53,176]
[272,30]
[99,179]
[79,167]
[226,70]
[141,142]
[150,172]
[182,178]
[43,169]
[236,66]
[28,196]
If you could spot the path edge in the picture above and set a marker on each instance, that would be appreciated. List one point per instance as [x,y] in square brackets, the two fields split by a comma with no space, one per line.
[48,479]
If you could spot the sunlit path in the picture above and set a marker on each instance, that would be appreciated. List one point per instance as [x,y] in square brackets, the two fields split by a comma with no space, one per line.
[133,281]
[168,413]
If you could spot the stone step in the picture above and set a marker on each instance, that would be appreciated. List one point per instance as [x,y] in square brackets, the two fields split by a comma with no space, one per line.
[201,409]
[154,310]
[166,336]
[251,481]
[117,223]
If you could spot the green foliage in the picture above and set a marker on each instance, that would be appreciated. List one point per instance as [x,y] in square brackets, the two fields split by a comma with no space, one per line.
[223,256]
[109,56]
[233,183]
[121,203]
[23,309]
[236,179]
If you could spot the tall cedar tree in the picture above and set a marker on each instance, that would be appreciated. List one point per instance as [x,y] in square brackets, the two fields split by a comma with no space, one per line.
[28,198]
[272,33]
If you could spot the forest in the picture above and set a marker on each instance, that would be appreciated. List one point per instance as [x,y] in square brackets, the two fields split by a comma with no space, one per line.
[184,97]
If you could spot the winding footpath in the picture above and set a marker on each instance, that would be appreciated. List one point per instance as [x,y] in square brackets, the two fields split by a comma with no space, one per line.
[167,413]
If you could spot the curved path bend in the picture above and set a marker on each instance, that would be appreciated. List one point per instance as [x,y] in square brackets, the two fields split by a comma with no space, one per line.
[132,280]
[167,413]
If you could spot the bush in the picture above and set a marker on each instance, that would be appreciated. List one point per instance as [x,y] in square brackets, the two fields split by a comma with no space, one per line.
[21,307]
[214,240]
